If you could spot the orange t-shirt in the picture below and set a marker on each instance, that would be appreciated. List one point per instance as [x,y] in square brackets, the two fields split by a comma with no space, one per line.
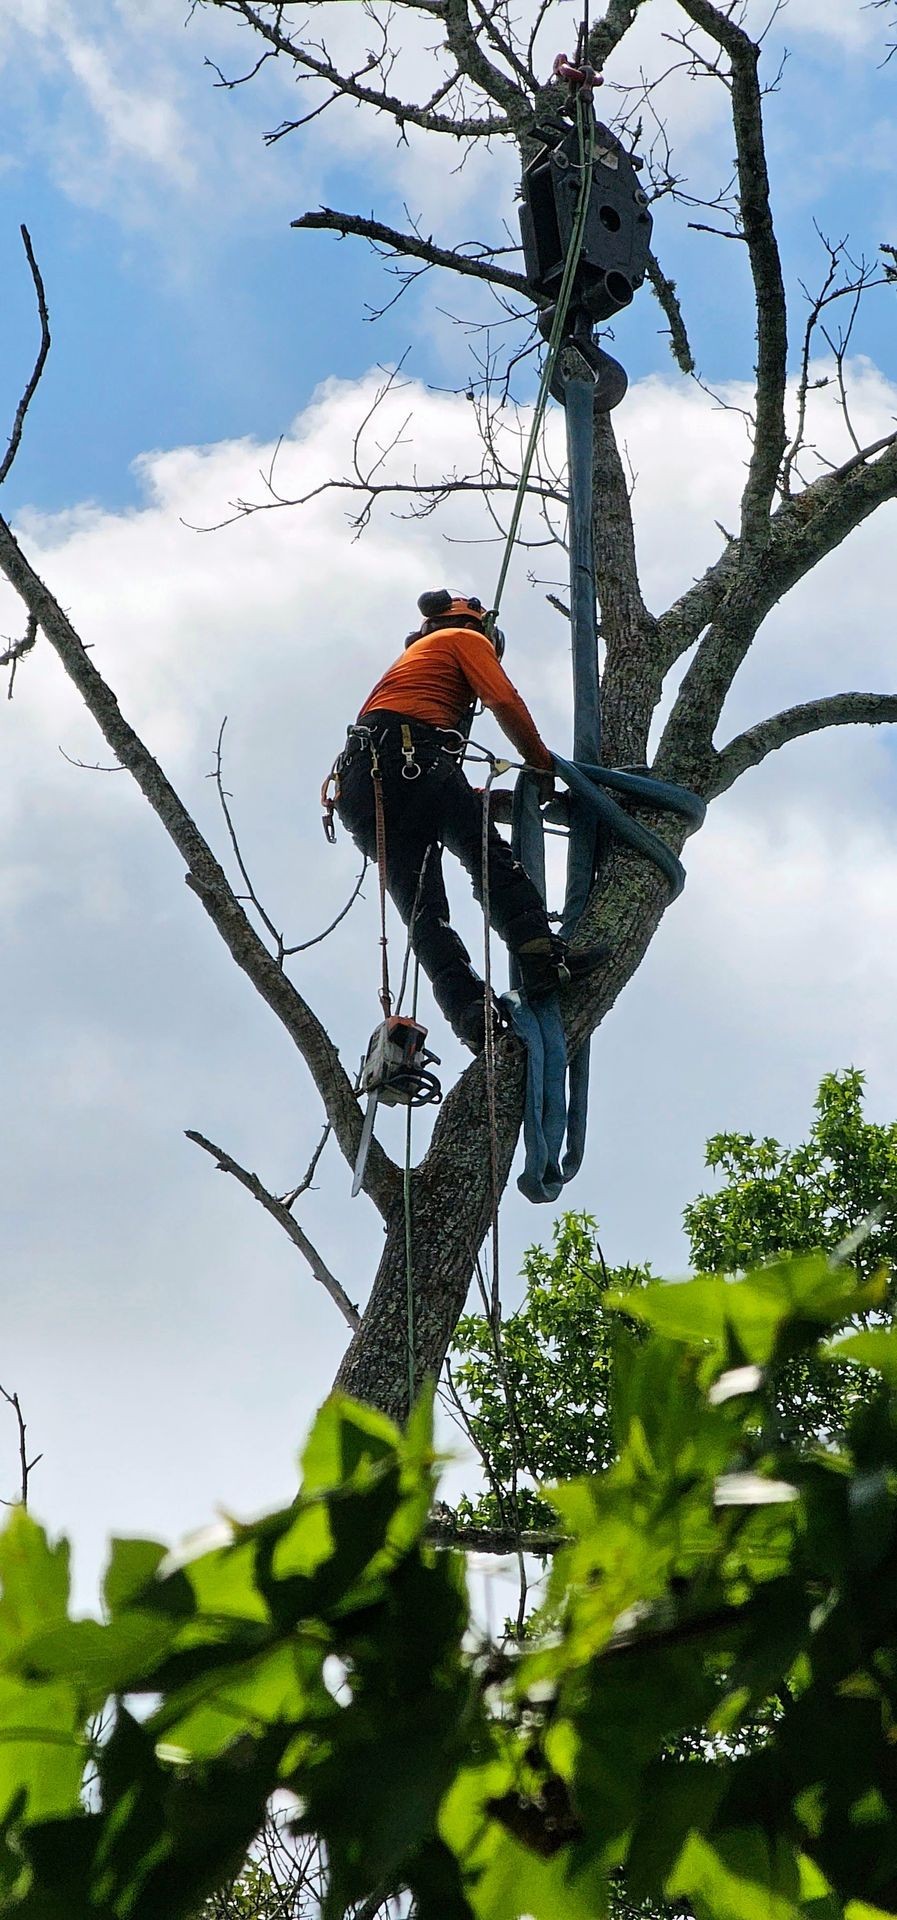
[438,677]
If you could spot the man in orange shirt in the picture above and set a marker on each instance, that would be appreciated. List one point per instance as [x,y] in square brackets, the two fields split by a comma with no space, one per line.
[415,719]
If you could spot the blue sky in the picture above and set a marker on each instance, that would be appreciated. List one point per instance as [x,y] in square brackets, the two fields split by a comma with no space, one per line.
[168,1346]
[185,316]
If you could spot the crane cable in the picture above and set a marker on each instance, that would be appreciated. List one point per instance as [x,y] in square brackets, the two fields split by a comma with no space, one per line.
[585,121]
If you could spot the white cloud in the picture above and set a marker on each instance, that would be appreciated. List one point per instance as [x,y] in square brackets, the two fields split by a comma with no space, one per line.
[120,108]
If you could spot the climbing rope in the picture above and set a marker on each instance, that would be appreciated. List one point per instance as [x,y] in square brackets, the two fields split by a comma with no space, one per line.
[490,1034]
[586,130]
[380,842]
[406,1202]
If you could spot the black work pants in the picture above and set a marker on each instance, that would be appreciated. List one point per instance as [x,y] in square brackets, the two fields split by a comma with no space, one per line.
[422,815]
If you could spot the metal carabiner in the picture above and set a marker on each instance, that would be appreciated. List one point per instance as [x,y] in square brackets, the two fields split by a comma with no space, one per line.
[410,770]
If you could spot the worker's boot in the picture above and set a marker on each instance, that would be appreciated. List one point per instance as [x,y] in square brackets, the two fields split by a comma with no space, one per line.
[470,1024]
[547,964]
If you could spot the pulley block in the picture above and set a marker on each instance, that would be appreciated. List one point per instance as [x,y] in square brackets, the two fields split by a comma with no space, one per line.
[616,239]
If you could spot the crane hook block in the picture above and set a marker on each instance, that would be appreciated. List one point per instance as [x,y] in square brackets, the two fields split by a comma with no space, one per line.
[617,235]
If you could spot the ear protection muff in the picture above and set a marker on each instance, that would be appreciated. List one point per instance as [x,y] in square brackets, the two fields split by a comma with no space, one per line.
[441,605]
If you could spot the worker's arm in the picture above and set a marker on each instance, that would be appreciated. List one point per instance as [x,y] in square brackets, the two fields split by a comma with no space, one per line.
[490,683]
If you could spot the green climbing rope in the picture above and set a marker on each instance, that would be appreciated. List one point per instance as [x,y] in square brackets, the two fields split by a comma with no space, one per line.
[585,123]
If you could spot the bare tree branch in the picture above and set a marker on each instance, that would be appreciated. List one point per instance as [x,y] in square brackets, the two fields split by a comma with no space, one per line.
[664,291]
[404,112]
[291,1227]
[25,1465]
[462,42]
[766,269]
[444,1531]
[289,1199]
[44,348]
[17,651]
[414,247]
[837,710]
[205,876]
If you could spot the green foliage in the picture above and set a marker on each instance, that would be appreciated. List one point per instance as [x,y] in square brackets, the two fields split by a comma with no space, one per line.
[557,1348]
[556,1361]
[254,1895]
[326,1651]
[777,1199]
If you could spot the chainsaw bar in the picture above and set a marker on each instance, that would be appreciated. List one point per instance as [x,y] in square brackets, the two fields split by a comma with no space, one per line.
[364,1144]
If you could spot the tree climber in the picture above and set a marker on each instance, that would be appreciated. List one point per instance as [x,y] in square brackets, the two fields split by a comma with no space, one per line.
[415,722]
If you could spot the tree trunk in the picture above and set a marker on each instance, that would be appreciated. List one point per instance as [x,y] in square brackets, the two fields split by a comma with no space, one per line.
[451,1203]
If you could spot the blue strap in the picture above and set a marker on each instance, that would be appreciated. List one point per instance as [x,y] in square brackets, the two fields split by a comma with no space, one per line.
[557,1092]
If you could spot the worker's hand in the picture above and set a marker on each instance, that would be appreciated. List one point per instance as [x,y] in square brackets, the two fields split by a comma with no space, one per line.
[546,788]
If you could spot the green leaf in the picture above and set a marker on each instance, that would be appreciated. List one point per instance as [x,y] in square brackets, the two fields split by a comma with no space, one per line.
[97,1660]
[42,1753]
[280,1687]
[224,1583]
[34,1578]
[132,1564]
[347,1443]
[753,1311]
[503,1877]
[740,1875]
[874,1347]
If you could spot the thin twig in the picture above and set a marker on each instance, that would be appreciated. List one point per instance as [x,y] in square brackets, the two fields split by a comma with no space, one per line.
[217,776]
[278,1212]
[289,1199]
[90,766]
[25,1465]
[17,652]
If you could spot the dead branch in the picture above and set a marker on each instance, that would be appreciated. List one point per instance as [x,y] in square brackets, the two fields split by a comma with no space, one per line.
[288,1200]
[217,776]
[17,651]
[204,875]
[803,531]
[347,86]
[26,1466]
[794,723]
[664,291]
[291,1227]
[479,266]
[316,938]
[766,269]
[33,381]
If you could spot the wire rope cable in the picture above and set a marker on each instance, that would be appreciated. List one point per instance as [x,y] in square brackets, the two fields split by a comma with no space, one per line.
[407,1207]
